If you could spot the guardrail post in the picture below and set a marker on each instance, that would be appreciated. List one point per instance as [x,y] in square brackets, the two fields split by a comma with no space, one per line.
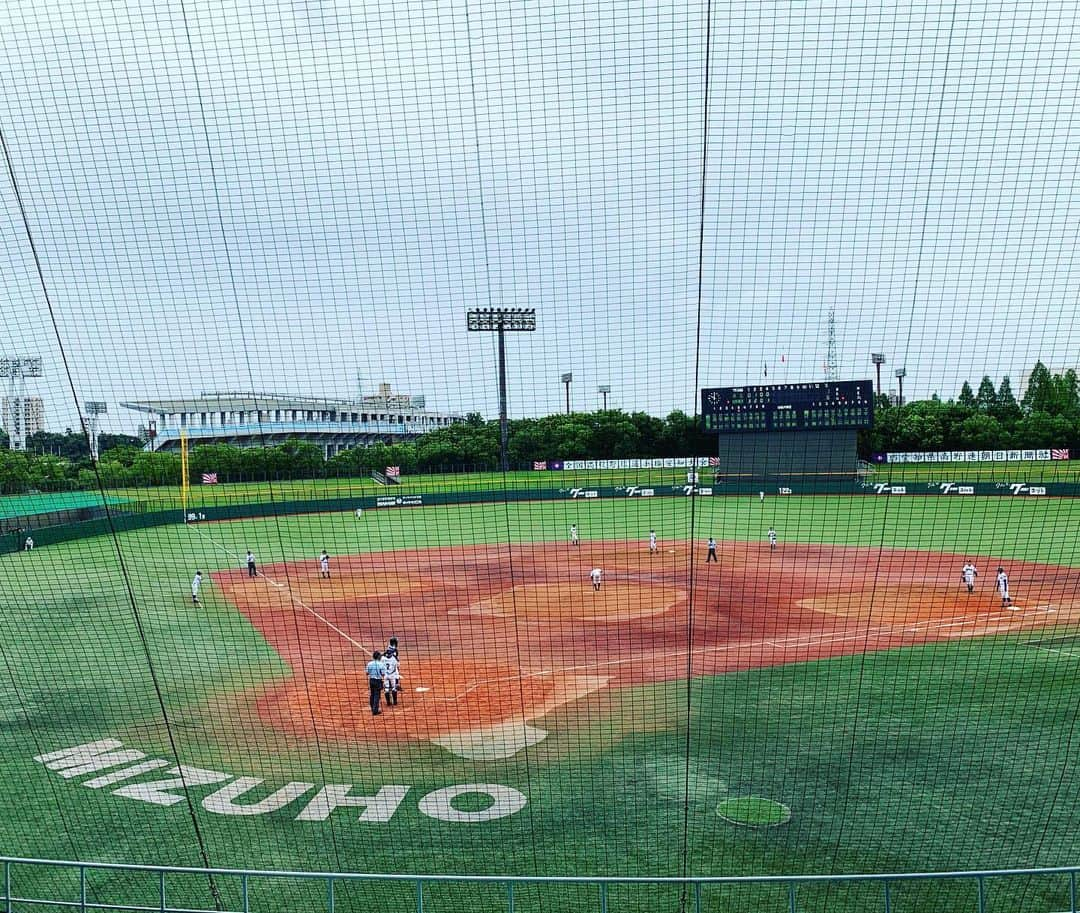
[982,894]
[82,889]
[888,899]
[419,895]
[161,891]
[792,905]
[603,897]
[697,897]
[1072,892]
[329,895]
[7,887]
[509,897]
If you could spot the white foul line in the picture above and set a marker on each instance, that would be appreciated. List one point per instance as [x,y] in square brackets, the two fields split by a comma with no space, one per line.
[296,599]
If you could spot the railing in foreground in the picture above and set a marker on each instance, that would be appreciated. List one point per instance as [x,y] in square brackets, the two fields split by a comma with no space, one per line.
[88,886]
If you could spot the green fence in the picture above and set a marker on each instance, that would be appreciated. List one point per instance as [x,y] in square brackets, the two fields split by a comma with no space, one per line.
[32,884]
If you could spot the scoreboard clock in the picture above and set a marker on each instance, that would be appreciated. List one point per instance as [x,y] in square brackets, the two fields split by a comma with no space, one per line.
[827,406]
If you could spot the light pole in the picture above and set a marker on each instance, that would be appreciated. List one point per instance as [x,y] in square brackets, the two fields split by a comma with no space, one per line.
[502,320]
[17,370]
[878,359]
[901,373]
[604,390]
[94,408]
[566,378]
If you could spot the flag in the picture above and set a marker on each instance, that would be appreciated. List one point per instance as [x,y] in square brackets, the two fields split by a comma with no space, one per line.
[765,368]
[394,471]
[209,478]
[1057,453]
[714,461]
[539,464]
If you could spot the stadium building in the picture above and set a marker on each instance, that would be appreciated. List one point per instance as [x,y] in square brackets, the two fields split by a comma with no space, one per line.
[260,419]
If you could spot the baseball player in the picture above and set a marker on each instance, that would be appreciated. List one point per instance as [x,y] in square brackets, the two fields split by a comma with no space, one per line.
[595,575]
[1003,588]
[574,534]
[195,584]
[391,677]
[250,560]
[968,573]
[772,539]
[652,541]
[324,565]
[711,554]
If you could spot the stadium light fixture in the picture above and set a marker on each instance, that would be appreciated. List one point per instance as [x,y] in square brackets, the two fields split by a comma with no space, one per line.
[566,379]
[604,390]
[501,321]
[901,373]
[878,359]
[16,370]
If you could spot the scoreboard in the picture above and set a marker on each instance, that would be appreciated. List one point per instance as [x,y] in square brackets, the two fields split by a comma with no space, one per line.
[827,406]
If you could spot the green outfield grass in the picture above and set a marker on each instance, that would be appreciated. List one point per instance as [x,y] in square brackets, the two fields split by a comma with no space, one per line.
[951,755]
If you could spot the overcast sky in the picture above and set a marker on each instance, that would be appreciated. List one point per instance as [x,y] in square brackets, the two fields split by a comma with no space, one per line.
[286,196]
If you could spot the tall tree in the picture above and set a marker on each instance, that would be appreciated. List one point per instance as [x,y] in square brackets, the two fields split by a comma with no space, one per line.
[986,398]
[1039,395]
[967,397]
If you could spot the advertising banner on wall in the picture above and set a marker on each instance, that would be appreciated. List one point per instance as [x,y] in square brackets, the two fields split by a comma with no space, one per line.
[975,456]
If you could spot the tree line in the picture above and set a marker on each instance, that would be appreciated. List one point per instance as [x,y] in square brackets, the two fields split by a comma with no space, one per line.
[991,417]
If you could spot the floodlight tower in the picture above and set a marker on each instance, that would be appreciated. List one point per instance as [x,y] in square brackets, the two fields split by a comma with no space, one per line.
[878,359]
[566,379]
[16,370]
[94,408]
[501,321]
[901,373]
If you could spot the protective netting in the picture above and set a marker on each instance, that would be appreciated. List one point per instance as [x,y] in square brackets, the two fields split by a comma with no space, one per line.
[248,259]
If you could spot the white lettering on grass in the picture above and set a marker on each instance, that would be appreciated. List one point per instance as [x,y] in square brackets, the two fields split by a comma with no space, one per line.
[440,803]
[182,777]
[223,802]
[89,757]
[379,807]
[127,773]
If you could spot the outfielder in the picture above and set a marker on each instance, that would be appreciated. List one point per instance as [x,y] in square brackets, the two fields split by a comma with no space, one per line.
[652,541]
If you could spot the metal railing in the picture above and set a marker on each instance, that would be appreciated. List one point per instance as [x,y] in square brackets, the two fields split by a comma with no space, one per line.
[90,886]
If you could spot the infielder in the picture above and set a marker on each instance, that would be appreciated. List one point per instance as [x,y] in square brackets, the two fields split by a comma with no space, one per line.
[573,534]
[772,539]
[595,575]
[652,541]
[968,573]
[195,584]
[324,565]
[1003,588]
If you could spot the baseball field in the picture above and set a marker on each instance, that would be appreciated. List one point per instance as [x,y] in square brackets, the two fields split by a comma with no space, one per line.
[840,703]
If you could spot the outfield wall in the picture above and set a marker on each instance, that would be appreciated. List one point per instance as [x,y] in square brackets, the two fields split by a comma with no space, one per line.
[129,517]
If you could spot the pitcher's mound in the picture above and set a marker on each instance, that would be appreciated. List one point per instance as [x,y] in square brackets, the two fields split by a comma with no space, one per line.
[565,601]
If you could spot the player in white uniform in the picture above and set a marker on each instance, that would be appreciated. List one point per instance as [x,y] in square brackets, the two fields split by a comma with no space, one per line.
[391,678]
[968,573]
[573,534]
[772,538]
[596,575]
[324,565]
[652,541]
[1003,588]
[196,582]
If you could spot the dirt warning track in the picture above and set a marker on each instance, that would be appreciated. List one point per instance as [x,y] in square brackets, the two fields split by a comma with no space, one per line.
[495,637]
